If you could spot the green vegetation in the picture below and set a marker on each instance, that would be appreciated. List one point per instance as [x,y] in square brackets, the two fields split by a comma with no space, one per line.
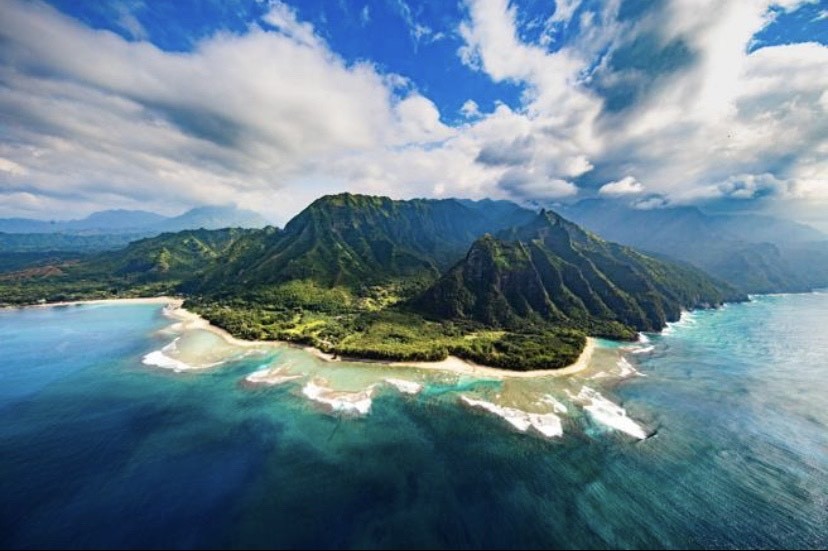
[373,278]
[148,267]
[397,335]
[63,242]
[552,272]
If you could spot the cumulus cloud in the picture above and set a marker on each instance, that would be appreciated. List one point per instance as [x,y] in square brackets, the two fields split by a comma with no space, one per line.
[698,107]
[526,184]
[272,117]
[238,119]
[518,151]
[625,186]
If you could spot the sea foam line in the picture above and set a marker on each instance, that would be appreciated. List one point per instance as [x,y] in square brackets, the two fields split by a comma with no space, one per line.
[406,387]
[353,403]
[162,359]
[608,413]
[271,376]
[546,424]
[159,358]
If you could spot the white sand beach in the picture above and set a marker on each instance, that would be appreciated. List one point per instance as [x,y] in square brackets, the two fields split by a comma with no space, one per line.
[187,320]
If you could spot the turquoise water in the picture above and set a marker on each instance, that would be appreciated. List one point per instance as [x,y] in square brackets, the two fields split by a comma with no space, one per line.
[99,450]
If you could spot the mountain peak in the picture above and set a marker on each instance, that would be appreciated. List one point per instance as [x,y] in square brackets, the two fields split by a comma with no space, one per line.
[551,270]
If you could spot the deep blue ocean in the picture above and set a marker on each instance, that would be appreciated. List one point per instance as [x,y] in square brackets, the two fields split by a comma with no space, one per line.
[100,450]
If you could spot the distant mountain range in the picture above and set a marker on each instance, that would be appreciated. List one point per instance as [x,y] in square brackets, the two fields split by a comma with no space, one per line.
[132,222]
[757,254]
[25,242]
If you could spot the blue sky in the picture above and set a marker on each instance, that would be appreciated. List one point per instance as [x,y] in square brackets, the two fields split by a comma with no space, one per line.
[168,104]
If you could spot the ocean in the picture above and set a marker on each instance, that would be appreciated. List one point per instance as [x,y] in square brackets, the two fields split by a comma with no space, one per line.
[713,434]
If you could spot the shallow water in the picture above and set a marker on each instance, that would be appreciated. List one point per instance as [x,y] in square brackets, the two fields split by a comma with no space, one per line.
[98,449]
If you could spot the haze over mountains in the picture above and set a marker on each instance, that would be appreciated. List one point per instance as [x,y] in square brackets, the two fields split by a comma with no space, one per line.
[26,242]
[116,222]
[758,254]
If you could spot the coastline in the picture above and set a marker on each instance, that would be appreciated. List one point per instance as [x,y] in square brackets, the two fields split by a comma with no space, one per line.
[465,367]
[141,300]
[189,320]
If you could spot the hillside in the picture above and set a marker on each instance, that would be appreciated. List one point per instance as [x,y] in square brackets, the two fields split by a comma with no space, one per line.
[551,271]
[145,267]
[356,241]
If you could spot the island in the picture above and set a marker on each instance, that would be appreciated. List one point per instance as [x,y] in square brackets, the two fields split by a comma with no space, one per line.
[366,277]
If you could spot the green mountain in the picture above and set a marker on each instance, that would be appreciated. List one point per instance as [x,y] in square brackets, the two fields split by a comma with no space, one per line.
[148,266]
[552,271]
[355,241]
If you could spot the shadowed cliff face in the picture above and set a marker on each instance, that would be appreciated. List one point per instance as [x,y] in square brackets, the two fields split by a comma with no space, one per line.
[552,270]
[353,240]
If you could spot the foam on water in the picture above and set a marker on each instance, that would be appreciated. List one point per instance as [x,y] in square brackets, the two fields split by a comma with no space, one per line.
[163,359]
[686,319]
[608,413]
[271,376]
[557,406]
[546,424]
[160,358]
[353,403]
[406,387]
[626,369]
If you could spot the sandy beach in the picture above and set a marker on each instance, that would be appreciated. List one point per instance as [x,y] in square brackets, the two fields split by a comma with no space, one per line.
[187,320]
[453,364]
[463,367]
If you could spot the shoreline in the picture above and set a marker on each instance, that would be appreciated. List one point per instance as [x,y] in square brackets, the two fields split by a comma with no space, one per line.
[91,302]
[173,308]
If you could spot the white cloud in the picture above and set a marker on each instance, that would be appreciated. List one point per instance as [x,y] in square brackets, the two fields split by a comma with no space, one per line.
[650,203]
[470,109]
[419,32]
[625,186]
[12,168]
[272,117]
[564,10]
[283,17]
[240,119]
[127,20]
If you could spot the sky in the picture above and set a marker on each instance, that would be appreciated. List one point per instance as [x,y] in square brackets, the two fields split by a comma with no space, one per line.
[166,105]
